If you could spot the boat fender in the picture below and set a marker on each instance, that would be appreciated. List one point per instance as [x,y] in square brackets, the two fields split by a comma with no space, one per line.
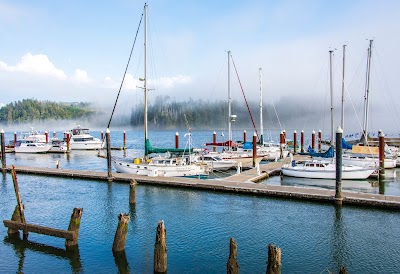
[293,163]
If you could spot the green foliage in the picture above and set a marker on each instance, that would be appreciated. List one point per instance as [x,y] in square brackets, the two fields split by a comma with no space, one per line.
[29,110]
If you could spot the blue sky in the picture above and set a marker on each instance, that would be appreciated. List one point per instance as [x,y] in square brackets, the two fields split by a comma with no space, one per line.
[77,50]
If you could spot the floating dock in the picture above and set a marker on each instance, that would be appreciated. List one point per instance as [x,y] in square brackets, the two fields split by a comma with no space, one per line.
[242,183]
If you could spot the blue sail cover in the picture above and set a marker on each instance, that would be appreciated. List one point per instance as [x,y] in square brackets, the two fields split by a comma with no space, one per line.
[345,145]
[327,154]
[248,145]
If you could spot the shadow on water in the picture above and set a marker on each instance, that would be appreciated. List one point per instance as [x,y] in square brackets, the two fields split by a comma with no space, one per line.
[20,246]
[121,262]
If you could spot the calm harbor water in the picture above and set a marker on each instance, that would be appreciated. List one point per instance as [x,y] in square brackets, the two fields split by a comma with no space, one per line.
[313,236]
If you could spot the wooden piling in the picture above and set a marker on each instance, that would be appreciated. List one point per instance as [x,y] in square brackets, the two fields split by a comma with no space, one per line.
[102,135]
[19,202]
[15,138]
[274,260]
[108,144]
[232,267]
[16,217]
[381,157]
[339,160]
[132,192]
[281,143]
[313,139]
[214,140]
[160,249]
[294,142]
[254,149]
[244,136]
[319,140]
[47,136]
[74,226]
[54,134]
[68,142]
[302,141]
[3,152]
[121,233]
[176,140]
[124,140]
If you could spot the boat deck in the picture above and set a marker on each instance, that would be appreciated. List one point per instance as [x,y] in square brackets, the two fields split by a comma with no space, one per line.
[240,183]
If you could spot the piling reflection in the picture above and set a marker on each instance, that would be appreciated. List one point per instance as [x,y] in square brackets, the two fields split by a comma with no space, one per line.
[20,246]
[339,247]
[121,262]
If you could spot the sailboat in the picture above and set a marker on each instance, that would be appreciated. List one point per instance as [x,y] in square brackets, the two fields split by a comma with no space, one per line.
[158,166]
[324,169]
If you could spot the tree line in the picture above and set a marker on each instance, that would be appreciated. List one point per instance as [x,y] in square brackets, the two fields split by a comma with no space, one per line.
[29,110]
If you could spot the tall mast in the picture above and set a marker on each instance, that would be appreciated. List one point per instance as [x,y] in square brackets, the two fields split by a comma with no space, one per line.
[344,59]
[261,113]
[229,101]
[331,88]
[145,81]
[366,98]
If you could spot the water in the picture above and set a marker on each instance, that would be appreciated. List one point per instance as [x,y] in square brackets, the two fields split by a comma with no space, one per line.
[313,236]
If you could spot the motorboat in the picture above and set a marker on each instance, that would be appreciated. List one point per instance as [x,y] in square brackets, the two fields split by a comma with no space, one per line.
[31,146]
[81,139]
[214,162]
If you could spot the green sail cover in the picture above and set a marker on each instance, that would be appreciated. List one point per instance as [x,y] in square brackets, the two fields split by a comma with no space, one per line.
[149,149]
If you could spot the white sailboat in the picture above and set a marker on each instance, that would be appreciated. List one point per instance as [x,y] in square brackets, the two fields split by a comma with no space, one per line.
[323,169]
[159,166]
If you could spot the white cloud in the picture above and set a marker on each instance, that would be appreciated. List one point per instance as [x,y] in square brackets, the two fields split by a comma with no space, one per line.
[35,64]
[80,77]
[170,82]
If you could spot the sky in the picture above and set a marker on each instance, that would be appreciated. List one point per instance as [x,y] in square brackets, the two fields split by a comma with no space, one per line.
[74,50]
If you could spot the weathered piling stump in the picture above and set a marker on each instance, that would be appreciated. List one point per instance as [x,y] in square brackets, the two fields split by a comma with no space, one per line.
[160,249]
[339,160]
[3,152]
[19,201]
[177,140]
[108,144]
[132,192]
[121,233]
[274,260]
[232,267]
[74,226]
[17,218]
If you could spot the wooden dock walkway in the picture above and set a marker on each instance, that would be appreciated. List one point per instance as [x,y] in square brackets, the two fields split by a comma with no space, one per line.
[236,184]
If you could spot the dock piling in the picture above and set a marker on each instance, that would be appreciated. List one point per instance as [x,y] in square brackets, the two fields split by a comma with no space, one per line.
[15,138]
[302,141]
[54,134]
[381,157]
[16,217]
[339,160]
[274,260]
[232,267]
[74,226]
[108,144]
[19,202]
[313,139]
[3,152]
[124,141]
[121,233]
[244,136]
[319,140]
[295,142]
[177,140]
[254,149]
[160,249]
[68,142]
[47,136]
[132,192]
[214,140]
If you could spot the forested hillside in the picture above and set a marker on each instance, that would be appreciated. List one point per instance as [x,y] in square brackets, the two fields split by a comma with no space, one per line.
[29,110]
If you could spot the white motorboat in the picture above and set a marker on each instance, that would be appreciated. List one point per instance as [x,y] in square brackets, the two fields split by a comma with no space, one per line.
[320,169]
[80,139]
[214,162]
[31,146]
[365,161]
[57,146]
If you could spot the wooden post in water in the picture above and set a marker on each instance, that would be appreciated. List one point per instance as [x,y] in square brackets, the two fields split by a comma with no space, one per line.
[274,260]
[15,138]
[294,142]
[17,218]
[302,141]
[121,232]
[244,136]
[177,140]
[281,145]
[313,139]
[339,160]
[284,136]
[124,140]
[232,267]
[68,142]
[160,249]
[19,202]
[3,152]
[54,134]
[47,136]
[319,140]
[102,135]
[132,192]
[214,141]
[74,226]
[108,143]
[254,149]
[381,157]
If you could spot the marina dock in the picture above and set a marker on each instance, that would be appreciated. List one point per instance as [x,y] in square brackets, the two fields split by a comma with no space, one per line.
[242,183]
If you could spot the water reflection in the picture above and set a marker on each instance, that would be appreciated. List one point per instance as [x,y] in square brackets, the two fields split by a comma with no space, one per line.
[338,241]
[121,262]
[20,246]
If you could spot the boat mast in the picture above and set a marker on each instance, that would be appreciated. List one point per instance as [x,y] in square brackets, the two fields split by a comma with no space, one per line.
[344,59]
[331,88]
[366,98]
[229,102]
[261,113]
[145,83]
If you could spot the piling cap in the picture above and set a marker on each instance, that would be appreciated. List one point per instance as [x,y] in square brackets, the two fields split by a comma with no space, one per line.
[381,134]
[295,131]
[302,131]
[2,131]
[177,133]
[313,132]
[244,130]
[255,134]
[214,132]
[319,130]
[339,130]
[107,130]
